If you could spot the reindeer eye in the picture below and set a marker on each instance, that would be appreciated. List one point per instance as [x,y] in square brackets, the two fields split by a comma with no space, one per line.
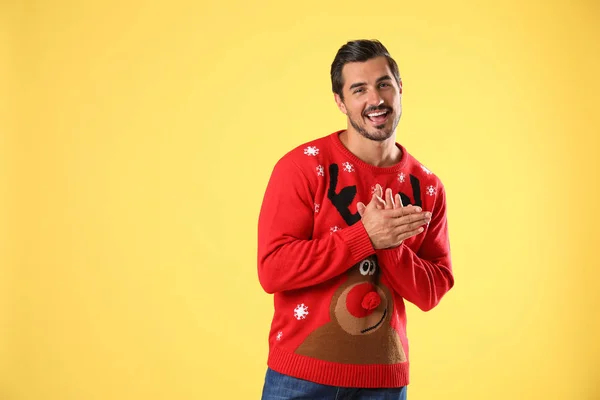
[372,269]
[365,267]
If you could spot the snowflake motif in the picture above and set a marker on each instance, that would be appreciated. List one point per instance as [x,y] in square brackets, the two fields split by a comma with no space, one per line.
[348,167]
[317,207]
[301,311]
[311,151]
[279,335]
[320,170]
[401,177]
[430,190]
[373,189]
[428,172]
[334,229]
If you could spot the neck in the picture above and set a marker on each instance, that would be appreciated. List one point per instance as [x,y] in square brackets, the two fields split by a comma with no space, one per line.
[380,154]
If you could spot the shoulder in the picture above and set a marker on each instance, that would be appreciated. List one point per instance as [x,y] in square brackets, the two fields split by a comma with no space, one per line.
[309,158]
[429,184]
[420,171]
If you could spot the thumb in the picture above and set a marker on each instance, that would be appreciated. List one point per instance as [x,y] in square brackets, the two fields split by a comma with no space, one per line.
[361,208]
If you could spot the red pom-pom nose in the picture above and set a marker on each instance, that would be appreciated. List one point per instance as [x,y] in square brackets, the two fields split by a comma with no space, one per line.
[371,301]
[362,300]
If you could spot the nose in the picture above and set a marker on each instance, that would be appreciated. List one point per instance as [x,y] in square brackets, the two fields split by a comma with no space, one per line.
[374,99]
[362,300]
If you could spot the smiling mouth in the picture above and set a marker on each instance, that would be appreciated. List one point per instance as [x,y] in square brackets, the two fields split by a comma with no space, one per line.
[378,117]
[377,324]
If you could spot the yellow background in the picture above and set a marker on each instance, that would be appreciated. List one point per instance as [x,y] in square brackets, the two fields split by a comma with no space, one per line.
[137,139]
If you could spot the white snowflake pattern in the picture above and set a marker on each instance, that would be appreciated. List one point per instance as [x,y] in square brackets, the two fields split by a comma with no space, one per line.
[428,172]
[348,167]
[317,207]
[401,176]
[320,170]
[311,151]
[279,335]
[430,190]
[301,311]
[334,229]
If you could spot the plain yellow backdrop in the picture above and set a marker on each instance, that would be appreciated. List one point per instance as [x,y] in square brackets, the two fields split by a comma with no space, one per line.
[137,140]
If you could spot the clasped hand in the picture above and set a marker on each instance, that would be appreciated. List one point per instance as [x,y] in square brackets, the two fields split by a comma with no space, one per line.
[387,222]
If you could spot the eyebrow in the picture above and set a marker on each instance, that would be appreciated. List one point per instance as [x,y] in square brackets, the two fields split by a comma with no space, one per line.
[358,84]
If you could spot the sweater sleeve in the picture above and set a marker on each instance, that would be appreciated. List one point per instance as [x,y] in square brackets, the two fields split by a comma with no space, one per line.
[288,256]
[425,276]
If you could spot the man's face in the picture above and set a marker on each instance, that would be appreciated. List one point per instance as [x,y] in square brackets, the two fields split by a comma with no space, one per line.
[372,98]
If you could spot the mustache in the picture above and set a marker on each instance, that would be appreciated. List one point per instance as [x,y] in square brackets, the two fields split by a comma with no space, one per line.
[377,108]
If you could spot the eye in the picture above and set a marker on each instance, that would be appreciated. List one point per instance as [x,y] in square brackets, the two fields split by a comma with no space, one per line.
[365,267]
[372,269]
[358,91]
[384,85]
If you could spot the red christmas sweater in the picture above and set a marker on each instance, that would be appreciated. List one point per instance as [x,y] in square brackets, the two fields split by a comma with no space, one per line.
[339,315]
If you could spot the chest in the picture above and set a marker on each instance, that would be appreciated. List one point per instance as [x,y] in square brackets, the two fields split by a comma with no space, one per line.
[342,187]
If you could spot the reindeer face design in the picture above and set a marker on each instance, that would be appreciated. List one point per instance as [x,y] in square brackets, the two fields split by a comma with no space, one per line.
[361,307]
[359,331]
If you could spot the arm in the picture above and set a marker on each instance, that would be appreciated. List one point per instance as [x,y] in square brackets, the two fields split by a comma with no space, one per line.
[288,257]
[424,277]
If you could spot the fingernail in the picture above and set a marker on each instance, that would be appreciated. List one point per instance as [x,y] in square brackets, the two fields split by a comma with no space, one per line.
[428,214]
[419,209]
[420,230]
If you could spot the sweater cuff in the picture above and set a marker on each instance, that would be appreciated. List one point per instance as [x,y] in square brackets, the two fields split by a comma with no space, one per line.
[358,241]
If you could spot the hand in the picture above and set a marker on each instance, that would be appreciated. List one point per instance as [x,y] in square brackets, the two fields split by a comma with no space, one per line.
[387,222]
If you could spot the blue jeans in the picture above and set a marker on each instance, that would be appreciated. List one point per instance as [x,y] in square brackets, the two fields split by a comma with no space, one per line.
[283,387]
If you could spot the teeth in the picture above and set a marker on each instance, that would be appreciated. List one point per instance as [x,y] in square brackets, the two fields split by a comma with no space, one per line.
[377,114]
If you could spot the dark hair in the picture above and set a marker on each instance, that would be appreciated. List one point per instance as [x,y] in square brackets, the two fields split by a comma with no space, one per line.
[358,51]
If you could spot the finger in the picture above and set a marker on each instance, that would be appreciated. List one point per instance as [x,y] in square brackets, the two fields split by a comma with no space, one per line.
[410,209]
[360,208]
[411,227]
[406,224]
[389,199]
[406,211]
[379,202]
[399,201]
[376,202]
[409,234]
[415,218]
[379,190]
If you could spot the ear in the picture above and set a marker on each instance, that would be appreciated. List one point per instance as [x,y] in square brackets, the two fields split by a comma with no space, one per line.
[340,103]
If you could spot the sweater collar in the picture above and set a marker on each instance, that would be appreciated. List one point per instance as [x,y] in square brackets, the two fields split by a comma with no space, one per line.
[335,138]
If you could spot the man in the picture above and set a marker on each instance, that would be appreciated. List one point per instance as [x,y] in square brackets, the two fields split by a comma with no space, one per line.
[341,269]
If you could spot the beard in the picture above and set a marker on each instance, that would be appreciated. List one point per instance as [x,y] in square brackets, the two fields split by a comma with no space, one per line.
[380,133]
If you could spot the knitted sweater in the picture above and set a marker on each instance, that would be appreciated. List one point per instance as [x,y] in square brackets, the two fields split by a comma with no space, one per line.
[339,315]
